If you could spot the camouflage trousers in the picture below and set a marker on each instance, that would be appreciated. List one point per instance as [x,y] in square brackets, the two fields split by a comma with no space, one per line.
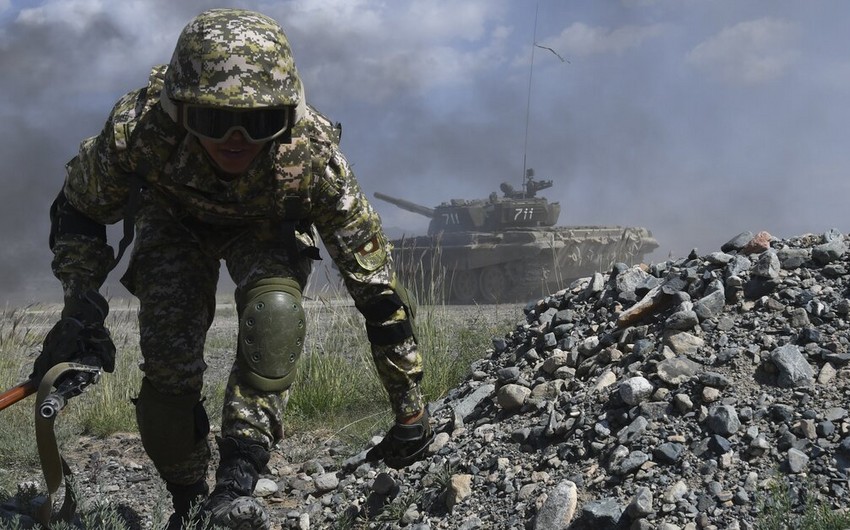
[174,272]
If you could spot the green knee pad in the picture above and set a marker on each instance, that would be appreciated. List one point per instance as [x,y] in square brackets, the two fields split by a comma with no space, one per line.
[171,426]
[271,333]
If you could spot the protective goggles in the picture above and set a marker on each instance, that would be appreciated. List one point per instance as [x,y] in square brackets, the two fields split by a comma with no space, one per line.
[256,125]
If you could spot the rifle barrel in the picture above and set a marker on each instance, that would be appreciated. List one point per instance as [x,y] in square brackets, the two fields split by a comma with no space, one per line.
[51,405]
[17,393]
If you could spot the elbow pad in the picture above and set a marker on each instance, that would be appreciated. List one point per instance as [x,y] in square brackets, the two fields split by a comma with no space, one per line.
[65,219]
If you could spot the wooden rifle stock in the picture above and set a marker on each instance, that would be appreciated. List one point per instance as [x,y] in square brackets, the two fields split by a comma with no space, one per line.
[17,393]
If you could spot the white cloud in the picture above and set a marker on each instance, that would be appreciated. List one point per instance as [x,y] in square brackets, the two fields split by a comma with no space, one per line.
[113,42]
[369,49]
[71,13]
[4,5]
[376,49]
[748,53]
[580,40]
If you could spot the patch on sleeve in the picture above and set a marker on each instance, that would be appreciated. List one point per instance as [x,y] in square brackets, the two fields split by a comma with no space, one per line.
[371,255]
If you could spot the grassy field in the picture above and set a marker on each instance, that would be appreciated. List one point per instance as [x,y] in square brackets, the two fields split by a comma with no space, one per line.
[336,391]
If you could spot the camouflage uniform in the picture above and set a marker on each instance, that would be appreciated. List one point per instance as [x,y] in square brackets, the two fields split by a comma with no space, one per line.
[188,219]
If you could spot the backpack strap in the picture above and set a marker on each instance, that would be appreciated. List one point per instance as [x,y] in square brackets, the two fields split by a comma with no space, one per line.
[134,201]
[138,179]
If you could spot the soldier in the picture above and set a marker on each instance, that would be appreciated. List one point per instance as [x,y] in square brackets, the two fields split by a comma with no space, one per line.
[219,157]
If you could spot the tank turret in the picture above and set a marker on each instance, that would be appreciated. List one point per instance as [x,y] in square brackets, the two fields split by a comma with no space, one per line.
[513,210]
[509,248]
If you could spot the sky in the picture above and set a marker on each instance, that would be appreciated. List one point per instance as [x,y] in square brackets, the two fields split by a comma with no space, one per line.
[697,119]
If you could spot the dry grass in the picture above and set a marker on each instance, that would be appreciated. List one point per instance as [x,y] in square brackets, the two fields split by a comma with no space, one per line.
[337,389]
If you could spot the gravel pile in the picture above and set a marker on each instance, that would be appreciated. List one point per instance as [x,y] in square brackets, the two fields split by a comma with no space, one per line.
[670,396]
[665,397]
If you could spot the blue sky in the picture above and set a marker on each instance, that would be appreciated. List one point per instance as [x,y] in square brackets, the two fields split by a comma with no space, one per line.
[697,119]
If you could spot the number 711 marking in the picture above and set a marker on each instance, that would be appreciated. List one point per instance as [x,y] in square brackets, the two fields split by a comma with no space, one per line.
[451,218]
[523,214]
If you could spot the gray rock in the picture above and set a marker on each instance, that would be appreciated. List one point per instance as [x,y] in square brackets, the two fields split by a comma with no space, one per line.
[737,267]
[460,487]
[635,390]
[794,370]
[793,258]
[682,320]
[833,249]
[509,374]
[682,342]
[326,482]
[547,316]
[631,463]
[633,431]
[631,279]
[641,503]
[465,407]
[738,242]
[548,389]
[714,379]
[711,304]
[557,360]
[564,316]
[767,266]
[668,453]
[718,258]
[723,420]
[797,460]
[675,492]
[835,413]
[265,487]
[512,397]
[603,513]
[559,509]
[677,370]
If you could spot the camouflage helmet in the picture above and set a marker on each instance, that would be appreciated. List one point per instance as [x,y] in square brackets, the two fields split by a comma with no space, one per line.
[233,58]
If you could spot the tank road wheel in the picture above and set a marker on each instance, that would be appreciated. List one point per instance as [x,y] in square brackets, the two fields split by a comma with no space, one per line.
[493,283]
[464,287]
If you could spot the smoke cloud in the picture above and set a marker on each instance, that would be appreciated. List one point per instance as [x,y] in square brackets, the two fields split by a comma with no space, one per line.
[697,119]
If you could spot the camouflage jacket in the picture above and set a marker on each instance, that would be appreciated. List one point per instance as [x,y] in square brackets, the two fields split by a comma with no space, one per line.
[306,180]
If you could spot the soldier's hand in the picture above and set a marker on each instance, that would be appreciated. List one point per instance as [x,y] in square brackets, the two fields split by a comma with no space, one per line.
[404,444]
[79,336]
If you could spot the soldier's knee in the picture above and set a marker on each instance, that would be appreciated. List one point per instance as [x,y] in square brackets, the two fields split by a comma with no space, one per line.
[171,426]
[271,333]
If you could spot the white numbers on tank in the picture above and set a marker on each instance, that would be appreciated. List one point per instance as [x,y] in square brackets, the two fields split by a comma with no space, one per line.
[523,214]
[451,218]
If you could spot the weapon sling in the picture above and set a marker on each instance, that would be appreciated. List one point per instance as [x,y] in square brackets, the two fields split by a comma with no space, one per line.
[53,466]
[48,403]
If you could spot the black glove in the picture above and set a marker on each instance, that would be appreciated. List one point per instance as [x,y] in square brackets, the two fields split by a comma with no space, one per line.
[404,444]
[79,336]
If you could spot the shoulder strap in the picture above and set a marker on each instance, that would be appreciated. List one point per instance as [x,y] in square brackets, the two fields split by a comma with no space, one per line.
[137,185]
[138,180]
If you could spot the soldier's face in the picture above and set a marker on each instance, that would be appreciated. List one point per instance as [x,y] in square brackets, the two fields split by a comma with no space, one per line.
[234,155]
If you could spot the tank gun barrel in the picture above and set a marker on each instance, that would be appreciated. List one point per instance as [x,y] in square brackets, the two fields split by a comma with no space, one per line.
[406,205]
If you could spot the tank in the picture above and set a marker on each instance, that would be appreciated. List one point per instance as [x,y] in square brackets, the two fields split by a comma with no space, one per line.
[508,248]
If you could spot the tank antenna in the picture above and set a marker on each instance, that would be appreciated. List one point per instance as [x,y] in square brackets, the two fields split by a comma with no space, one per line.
[528,101]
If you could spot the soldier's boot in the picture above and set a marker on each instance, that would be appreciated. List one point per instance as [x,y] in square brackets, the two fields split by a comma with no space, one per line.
[186,500]
[231,504]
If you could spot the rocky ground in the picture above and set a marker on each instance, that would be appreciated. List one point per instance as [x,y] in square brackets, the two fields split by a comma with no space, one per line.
[672,396]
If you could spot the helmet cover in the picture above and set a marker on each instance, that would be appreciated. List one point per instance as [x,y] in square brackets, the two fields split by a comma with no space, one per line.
[233,58]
